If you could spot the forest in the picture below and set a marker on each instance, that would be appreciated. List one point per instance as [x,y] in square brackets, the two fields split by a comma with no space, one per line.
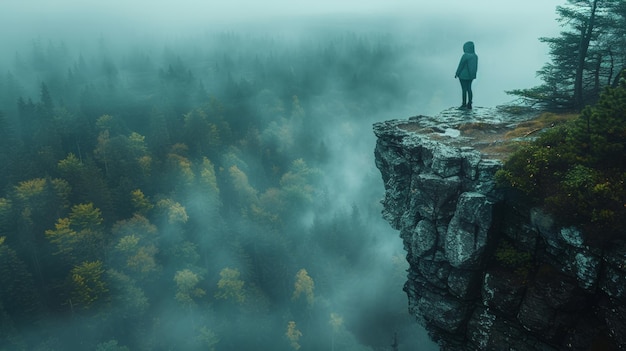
[184,196]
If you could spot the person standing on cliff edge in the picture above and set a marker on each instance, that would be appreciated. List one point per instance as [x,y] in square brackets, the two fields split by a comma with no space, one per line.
[466,72]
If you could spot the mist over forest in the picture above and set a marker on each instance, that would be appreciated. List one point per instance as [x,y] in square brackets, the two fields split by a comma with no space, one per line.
[214,188]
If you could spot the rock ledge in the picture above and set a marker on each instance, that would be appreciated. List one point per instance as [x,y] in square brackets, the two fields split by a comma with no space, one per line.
[440,194]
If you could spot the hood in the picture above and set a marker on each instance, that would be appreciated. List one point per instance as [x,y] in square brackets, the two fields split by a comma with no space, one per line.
[468,47]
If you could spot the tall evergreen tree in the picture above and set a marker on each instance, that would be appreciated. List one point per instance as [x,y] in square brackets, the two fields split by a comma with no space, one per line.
[17,288]
[9,145]
[586,57]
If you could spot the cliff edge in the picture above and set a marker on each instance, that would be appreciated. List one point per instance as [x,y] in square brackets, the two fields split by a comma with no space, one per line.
[486,270]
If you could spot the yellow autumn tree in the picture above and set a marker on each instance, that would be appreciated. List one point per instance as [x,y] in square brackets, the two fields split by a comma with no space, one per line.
[86,217]
[246,194]
[38,199]
[207,338]
[271,207]
[206,199]
[174,211]
[70,167]
[62,236]
[230,287]
[304,285]
[139,259]
[336,322]
[135,247]
[80,236]
[293,335]
[186,282]
[208,178]
[87,284]
[180,166]
[136,225]
[140,202]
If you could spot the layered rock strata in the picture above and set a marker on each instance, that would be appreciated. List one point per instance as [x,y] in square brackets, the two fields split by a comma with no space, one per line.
[488,272]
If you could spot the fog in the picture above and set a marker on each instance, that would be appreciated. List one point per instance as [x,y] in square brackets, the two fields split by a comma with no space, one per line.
[505,32]
[150,65]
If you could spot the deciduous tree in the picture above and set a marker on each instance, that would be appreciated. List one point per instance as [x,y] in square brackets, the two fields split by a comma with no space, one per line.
[174,211]
[79,237]
[293,335]
[187,290]
[208,338]
[304,285]
[141,202]
[88,285]
[230,287]
[336,322]
[135,248]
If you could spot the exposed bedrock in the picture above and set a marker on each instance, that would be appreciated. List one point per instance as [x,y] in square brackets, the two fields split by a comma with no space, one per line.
[487,271]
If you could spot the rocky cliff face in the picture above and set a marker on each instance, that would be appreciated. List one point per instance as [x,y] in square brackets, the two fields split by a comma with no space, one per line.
[488,272]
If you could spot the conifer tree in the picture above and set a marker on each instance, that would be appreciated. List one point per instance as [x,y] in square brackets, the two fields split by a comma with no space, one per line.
[127,297]
[8,143]
[587,56]
[17,289]
[577,170]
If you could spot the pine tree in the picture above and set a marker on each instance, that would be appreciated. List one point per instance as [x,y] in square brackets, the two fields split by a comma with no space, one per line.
[586,57]
[9,146]
[17,288]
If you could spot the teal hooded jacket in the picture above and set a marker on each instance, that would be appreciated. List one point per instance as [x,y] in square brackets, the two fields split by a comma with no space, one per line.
[468,64]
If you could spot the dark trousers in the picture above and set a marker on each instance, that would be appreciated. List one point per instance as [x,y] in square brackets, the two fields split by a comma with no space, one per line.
[466,89]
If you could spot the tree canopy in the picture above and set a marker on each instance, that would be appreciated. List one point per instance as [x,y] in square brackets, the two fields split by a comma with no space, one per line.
[164,199]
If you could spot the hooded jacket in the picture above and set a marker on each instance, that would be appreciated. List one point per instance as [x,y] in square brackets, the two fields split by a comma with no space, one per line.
[468,64]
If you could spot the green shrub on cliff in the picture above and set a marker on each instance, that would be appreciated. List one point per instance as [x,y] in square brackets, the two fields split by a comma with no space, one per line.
[577,171]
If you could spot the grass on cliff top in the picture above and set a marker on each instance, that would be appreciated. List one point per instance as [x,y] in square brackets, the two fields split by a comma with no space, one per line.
[504,141]
[545,120]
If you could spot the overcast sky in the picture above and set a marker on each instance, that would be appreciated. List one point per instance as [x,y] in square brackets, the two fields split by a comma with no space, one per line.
[506,32]
[247,8]
[181,14]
